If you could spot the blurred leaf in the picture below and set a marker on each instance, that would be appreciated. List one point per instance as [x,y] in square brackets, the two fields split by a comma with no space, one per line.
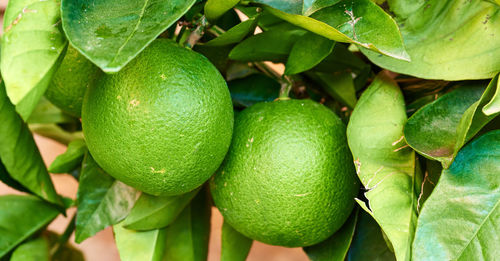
[361,22]
[273,45]
[252,89]
[218,55]
[153,212]
[450,40]
[71,159]
[53,131]
[235,34]
[238,70]
[112,32]
[187,237]
[341,59]
[102,201]
[439,129]
[368,242]
[235,246]
[302,58]
[32,44]
[339,85]
[216,8]
[9,181]
[21,217]
[335,247]
[34,250]
[384,162]
[139,245]
[461,218]
[46,112]
[19,153]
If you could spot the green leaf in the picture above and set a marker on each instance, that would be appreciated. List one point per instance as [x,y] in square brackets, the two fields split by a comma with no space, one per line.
[302,58]
[55,132]
[493,106]
[102,201]
[368,242]
[9,181]
[235,34]
[32,44]
[21,217]
[439,129]
[384,162]
[298,6]
[139,245]
[217,55]
[187,237]
[461,218]
[20,155]
[71,159]
[336,246]
[252,89]
[111,33]
[339,85]
[34,250]
[216,8]
[446,39]
[361,22]
[46,112]
[235,246]
[273,45]
[153,212]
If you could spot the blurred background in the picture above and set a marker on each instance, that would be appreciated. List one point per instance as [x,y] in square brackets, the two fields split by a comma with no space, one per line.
[102,246]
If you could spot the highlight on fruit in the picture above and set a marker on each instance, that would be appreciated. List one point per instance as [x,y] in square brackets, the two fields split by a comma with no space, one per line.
[250,130]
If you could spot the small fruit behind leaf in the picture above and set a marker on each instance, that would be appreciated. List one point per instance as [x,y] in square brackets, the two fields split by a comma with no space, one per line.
[288,178]
[71,80]
[163,124]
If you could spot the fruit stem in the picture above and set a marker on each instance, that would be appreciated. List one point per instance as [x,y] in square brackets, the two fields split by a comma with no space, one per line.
[53,131]
[64,237]
[198,32]
[286,86]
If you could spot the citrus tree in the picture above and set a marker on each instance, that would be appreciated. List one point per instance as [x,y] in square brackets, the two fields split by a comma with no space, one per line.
[378,141]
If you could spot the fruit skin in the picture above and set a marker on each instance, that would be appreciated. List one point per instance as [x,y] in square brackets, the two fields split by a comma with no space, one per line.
[288,178]
[71,80]
[163,124]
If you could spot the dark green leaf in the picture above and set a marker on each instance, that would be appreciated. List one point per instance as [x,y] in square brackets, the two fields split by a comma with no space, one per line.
[450,40]
[32,44]
[21,217]
[298,6]
[153,212]
[20,155]
[235,246]
[341,60]
[46,112]
[218,55]
[339,85]
[252,89]
[111,33]
[235,34]
[439,129]
[461,218]
[71,159]
[102,201]
[9,181]
[187,237]
[384,162]
[368,242]
[216,8]
[34,250]
[302,58]
[139,245]
[335,247]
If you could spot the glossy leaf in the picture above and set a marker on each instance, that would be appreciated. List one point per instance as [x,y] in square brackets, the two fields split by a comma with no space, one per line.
[187,237]
[153,212]
[252,89]
[235,246]
[216,8]
[298,7]
[71,159]
[111,33]
[450,40]
[139,245]
[360,22]
[20,155]
[461,218]
[235,34]
[32,44]
[302,58]
[34,250]
[384,162]
[46,112]
[339,85]
[102,201]
[439,129]
[493,106]
[21,217]
[368,242]
[336,246]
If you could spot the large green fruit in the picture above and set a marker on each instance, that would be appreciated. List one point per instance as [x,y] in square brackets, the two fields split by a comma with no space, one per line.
[288,178]
[163,124]
[71,80]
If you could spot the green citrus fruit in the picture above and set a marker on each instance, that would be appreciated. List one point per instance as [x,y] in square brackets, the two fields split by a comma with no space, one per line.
[163,124]
[71,80]
[288,178]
